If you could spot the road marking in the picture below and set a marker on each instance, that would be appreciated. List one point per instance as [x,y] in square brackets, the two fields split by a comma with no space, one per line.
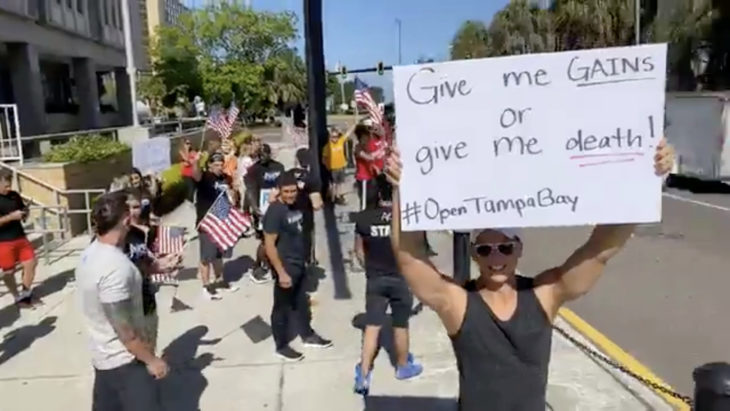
[696,202]
[616,353]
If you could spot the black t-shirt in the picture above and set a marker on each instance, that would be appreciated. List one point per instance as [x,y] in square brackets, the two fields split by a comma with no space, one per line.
[263,176]
[137,246]
[13,230]
[307,185]
[286,221]
[373,225]
[209,188]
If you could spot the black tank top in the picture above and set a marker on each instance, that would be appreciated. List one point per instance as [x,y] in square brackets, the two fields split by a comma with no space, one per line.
[503,365]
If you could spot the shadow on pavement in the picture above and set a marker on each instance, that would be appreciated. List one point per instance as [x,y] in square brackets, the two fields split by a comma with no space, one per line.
[697,186]
[188,273]
[234,270]
[22,338]
[183,387]
[53,284]
[334,246]
[387,403]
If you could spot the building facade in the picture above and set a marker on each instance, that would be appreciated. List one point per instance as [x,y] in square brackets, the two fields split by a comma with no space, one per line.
[63,63]
[157,13]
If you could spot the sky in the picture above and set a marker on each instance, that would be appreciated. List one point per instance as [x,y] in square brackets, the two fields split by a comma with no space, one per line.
[359,33]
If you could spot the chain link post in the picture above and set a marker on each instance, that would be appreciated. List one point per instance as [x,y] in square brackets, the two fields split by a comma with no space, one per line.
[712,387]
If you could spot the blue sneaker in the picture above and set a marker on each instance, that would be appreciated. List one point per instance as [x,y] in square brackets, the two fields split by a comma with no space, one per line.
[410,370]
[362,383]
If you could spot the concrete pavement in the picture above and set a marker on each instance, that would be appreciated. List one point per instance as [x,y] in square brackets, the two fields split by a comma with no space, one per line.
[221,351]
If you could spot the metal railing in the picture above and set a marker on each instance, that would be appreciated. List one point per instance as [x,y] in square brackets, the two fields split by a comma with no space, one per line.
[44,230]
[62,213]
[11,148]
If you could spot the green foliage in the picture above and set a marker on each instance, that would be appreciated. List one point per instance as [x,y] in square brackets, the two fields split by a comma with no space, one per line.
[82,149]
[229,52]
[171,176]
[471,41]
[240,137]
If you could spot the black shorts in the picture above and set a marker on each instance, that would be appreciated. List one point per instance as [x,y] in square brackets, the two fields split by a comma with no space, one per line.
[210,252]
[387,291]
[338,176]
[126,388]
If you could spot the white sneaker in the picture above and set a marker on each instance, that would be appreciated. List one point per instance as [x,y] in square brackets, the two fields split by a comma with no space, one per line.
[226,286]
[209,293]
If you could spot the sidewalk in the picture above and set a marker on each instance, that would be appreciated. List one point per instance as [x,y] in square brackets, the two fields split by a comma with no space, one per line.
[222,353]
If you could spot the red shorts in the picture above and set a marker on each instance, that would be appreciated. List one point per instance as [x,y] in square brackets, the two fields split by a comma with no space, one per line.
[15,251]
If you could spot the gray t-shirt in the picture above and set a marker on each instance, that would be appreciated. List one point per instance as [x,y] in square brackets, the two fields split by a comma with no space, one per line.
[106,275]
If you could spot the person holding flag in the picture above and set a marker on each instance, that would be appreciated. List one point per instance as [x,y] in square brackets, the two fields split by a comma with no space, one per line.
[211,185]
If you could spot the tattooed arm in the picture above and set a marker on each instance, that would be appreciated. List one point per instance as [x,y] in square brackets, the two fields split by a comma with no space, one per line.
[116,301]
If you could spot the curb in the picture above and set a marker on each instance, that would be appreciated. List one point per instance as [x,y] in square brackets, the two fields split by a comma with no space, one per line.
[617,354]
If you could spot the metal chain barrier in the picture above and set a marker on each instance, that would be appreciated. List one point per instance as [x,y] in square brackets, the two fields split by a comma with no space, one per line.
[606,360]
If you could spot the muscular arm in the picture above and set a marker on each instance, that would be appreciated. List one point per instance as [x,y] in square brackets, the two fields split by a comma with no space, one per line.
[120,314]
[272,253]
[443,296]
[316,200]
[583,268]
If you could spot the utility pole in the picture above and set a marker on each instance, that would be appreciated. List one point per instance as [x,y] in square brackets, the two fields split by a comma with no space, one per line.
[317,119]
[131,69]
[400,55]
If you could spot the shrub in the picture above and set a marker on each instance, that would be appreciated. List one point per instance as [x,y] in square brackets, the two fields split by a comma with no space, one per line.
[82,149]
[171,176]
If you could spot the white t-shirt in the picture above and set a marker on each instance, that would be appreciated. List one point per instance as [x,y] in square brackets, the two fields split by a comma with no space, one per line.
[106,275]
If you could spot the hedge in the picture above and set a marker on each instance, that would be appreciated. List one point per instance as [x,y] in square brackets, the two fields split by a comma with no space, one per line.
[83,149]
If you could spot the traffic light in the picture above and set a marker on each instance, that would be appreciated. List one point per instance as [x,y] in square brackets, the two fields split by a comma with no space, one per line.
[343,71]
[381,68]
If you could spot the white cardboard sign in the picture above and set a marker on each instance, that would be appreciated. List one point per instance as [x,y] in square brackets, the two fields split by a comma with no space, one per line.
[151,156]
[534,140]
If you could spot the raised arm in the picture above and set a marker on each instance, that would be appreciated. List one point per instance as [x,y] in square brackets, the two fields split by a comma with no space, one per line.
[433,289]
[584,267]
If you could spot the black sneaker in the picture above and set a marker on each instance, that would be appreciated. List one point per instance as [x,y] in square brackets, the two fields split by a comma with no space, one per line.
[226,286]
[210,293]
[259,275]
[315,341]
[289,354]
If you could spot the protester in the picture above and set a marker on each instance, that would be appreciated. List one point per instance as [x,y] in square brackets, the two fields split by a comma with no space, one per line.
[211,184]
[369,155]
[286,250]
[501,323]
[333,157]
[109,288]
[260,181]
[137,245]
[309,200]
[245,161]
[14,245]
[230,162]
[385,288]
[188,155]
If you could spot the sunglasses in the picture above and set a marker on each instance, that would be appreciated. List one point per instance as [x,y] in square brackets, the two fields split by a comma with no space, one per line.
[485,250]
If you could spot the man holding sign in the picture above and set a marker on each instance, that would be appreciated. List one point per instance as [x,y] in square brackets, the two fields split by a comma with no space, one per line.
[501,323]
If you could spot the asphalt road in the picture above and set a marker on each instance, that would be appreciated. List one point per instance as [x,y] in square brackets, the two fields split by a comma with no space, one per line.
[664,299]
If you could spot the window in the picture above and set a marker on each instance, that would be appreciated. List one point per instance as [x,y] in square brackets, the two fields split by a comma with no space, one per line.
[70,4]
[105,4]
[80,6]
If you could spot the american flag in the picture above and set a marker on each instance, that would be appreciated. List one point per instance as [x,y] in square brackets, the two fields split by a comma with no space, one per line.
[365,99]
[224,223]
[170,240]
[221,122]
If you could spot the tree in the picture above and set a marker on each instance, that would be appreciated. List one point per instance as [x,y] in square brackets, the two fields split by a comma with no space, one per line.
[470,41]
[151,89]
[520,29]
[583,24]
[229,52]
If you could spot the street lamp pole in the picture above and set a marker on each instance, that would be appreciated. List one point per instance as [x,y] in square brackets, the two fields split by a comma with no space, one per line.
[131,69]
[317,119]
[637,18]
[400,56]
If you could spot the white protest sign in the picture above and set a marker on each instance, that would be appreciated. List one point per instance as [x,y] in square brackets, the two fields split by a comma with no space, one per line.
[151,156]
[534,140]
